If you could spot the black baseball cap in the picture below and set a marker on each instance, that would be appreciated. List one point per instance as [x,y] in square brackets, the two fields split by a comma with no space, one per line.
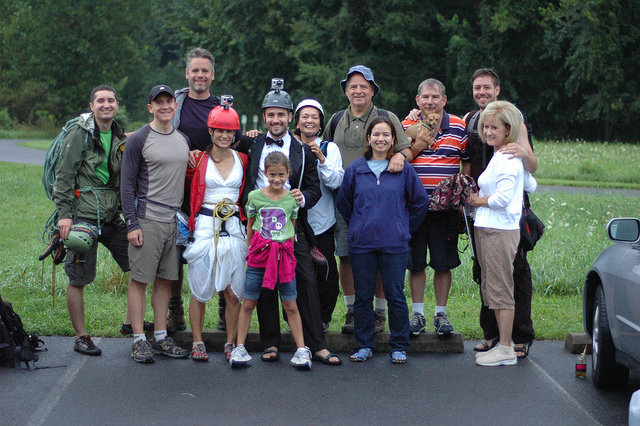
[162,88]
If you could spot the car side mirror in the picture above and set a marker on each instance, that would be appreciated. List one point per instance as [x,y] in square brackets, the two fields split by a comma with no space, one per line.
[625,230]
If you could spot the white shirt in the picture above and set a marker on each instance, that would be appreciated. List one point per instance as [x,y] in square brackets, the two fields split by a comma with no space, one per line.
[262,181]
[323,215]
[503,181]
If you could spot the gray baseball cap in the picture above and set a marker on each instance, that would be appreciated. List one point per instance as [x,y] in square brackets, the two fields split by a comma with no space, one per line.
[366,73]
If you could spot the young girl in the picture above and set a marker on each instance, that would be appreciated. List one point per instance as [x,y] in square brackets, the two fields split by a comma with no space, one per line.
[271,213]
[381,208]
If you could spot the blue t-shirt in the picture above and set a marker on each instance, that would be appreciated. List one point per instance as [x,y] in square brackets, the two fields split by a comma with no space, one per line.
[378,166]
[193,120]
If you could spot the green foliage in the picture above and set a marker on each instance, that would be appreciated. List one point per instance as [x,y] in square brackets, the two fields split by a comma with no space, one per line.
[569,64]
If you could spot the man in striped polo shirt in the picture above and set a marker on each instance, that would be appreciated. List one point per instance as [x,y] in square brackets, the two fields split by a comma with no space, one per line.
[439,232]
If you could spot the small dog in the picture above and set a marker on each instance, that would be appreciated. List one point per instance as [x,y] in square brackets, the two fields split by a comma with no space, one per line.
[426,130]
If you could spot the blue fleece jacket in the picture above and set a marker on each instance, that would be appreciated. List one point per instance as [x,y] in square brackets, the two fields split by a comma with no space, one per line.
[381,212]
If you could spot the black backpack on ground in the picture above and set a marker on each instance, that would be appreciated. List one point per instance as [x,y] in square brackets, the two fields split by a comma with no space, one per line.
[16,346]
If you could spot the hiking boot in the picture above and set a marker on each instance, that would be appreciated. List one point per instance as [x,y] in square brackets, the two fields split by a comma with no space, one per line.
[228,348]
[169,348]
[199,353]
[500,355]
[302,358]
[441,324]
[175,318]
[347,328]
[141,352]
[380,319]
[222,322]
[417,323]
[127,329]
[85,345]
[239,357]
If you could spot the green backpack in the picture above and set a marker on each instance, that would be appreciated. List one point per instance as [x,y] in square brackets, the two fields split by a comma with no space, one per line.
[52,160]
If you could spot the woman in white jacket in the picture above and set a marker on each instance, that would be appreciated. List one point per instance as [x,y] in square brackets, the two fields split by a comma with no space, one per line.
[497,223]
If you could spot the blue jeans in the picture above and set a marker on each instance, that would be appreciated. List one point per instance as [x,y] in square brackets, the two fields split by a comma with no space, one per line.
[253,285]
[392,267]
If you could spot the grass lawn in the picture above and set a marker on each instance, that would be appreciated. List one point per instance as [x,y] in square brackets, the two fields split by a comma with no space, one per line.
[575,235]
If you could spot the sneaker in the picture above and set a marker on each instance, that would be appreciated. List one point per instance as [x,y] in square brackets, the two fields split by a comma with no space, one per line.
[500,355]
[442,324]
[222,324]
[417,323]
[228,348]
[381,320]
[302,358]
[169,348]
[347,328]
[239,357]
[199,353]
[175,318]
[127,329]
[85,345]
[141,352]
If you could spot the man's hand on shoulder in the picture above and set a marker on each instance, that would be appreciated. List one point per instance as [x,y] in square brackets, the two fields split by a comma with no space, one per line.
[252,133]
[414,115]
[396,163]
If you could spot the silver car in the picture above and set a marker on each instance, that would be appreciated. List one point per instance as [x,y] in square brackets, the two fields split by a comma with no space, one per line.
[611,306]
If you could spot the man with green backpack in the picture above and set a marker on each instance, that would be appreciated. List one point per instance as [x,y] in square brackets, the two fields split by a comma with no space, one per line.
[83,172]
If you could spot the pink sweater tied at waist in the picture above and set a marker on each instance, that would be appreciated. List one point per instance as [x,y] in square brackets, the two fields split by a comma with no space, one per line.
[277,259]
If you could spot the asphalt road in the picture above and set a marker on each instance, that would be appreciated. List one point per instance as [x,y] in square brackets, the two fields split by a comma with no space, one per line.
[69,388]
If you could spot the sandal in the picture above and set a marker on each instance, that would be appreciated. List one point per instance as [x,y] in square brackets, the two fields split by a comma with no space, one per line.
[485,345]
[398,357]
[522,349]
[270,350]
[362,355]
[327,359]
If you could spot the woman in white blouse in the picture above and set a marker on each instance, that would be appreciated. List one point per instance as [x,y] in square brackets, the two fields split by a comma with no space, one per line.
[309,123]
[498,207]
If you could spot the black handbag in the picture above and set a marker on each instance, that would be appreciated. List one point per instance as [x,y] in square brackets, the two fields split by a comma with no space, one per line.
[531,227]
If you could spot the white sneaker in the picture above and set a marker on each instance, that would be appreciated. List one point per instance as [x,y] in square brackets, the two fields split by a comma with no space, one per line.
[302,358]
[500,355]
[239,357]
[485,353]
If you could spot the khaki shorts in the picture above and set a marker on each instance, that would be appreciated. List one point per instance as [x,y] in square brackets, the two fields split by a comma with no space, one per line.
[496,249]
[158,255]
[81,267]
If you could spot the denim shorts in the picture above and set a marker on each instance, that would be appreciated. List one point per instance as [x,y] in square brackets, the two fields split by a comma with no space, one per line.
[253,285]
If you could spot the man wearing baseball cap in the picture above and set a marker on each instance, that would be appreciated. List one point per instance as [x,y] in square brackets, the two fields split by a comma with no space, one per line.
[153,172]
[347,129]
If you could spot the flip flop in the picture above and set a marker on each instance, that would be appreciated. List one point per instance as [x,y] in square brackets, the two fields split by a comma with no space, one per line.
[268,352]
[522,349]
[327,359]
[486,345]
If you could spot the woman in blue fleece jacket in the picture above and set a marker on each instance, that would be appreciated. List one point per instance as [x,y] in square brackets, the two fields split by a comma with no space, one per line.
[381,209]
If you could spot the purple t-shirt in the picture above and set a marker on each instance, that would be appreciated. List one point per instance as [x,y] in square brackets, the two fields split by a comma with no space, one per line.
[193,120]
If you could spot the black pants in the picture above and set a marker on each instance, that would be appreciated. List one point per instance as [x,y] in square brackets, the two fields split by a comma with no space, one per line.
[523,331]
[308,303]
[327,280]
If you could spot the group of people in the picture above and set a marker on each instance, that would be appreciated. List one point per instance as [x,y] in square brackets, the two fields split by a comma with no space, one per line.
[267,214]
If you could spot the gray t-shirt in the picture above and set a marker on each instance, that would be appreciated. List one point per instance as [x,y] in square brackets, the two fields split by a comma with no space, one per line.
[153,173]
